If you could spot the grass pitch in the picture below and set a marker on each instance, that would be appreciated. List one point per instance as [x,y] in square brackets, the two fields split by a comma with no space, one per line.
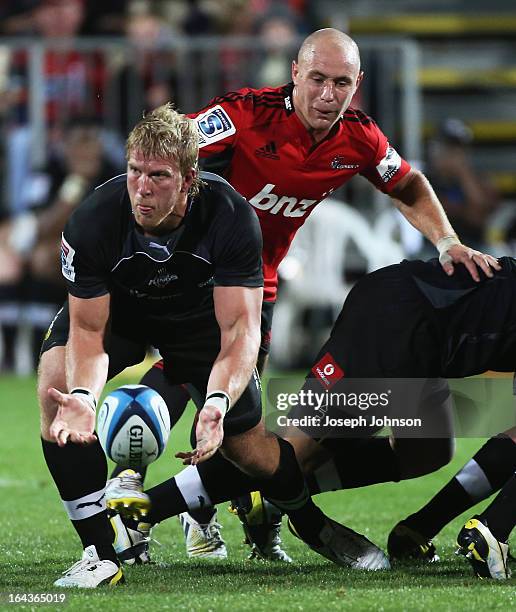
[37,543]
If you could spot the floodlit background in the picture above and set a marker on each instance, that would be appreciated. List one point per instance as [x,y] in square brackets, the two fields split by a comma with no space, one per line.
[75,75]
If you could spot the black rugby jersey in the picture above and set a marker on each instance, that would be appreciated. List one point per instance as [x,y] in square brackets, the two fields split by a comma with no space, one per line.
[169,278]
[477,320]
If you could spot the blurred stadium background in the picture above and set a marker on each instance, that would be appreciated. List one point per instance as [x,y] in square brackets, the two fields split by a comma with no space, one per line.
[75,75]
[440,79]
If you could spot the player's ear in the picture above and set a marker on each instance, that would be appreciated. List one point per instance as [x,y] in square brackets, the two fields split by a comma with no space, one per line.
[359,78]
[188,179]
[295,70]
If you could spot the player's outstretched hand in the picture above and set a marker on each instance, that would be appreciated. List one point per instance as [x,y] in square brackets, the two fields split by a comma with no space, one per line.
[209,433]
[74,421]
[460,253]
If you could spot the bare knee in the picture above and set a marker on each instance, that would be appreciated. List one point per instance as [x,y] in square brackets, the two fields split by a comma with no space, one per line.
[51,373]
[418,457]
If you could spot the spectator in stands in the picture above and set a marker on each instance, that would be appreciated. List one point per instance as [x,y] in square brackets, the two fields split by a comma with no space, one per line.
[467,195]
[106,18]
[15,17]
[279,33]
[149,68]
[73,83]
[29,243]
[198,21]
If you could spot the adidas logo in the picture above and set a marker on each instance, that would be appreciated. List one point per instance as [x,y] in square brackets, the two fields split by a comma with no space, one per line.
[269,150]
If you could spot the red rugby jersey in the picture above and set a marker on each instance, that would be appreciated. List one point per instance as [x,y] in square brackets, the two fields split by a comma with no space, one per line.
[267,154]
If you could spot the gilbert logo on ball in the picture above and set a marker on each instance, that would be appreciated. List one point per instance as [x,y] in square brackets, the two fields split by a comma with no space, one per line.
[133,425]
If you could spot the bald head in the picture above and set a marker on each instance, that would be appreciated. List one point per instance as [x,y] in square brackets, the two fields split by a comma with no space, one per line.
[329,42]
[326,77]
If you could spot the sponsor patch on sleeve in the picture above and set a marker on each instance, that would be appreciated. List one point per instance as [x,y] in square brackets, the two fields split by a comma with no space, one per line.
[389,165]
[214,125]
[67,255]
[327,371]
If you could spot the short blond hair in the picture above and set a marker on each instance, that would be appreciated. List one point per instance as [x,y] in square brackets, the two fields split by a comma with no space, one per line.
[166,134]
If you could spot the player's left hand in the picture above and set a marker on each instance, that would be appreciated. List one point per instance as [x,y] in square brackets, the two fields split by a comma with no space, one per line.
[209,433]
[460,253]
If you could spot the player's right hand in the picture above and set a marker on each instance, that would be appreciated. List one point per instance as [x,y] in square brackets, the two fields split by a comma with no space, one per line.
[209,433]
[74,421]
[460,253]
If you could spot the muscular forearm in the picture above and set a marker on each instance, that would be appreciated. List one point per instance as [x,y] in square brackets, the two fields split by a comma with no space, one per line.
[86,361]
[234,364]
[419,204]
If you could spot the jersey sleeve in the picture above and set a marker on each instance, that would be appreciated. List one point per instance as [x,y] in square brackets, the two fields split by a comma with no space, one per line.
[238,248]
[387,167]
[83,260]
[219,123]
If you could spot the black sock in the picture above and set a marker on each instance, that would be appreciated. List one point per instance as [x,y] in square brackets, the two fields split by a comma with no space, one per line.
[80,476]
[223,480]
[166,501]
[356,462]
[176,396]
[288,491]
[214,481]
[198,489]
[500,515]
[485,473]
[218,480]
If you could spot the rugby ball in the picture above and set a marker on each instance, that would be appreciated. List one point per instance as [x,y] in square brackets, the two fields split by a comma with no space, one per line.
[133,425]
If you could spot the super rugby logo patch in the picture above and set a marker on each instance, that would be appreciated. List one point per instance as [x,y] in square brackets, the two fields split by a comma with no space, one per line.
[327,371]
[67,255]
[214,125]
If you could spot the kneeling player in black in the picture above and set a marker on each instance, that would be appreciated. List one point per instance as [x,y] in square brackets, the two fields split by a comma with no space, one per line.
[409,320]
[160,257]
[484,474]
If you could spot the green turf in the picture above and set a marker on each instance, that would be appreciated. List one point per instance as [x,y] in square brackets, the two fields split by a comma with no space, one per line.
[37,543]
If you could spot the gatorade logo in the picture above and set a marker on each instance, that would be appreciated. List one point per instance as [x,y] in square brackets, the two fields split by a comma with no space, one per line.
[327,371]
[285,205]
